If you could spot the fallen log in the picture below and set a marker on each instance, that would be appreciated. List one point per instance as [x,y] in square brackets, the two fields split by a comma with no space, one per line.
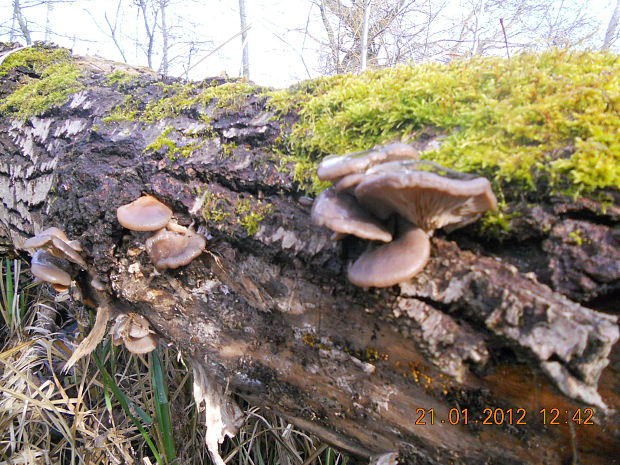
[490,355]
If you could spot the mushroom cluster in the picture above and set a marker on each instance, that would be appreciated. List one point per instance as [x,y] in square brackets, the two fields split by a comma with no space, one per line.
[173,245]
[387,194]
[52,253]
[134,331]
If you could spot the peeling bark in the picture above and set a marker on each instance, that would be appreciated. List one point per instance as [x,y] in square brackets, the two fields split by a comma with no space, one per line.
[271,316]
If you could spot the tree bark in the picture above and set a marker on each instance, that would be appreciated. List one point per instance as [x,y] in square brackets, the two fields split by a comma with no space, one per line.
[484,333]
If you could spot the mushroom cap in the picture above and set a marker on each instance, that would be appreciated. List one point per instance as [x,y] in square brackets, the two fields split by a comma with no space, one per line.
[172,249]
[44,237]
[334,167]
[135,332]
[426,199]
[394,262]
[142,345]
[48,268]
[56,242]
[340,212]
[146,213]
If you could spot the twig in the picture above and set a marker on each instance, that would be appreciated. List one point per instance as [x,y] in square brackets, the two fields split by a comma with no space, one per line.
[501,21]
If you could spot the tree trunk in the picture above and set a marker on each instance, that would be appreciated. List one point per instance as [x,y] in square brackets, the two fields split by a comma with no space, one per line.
[612,27]
[476,338]
[245,53]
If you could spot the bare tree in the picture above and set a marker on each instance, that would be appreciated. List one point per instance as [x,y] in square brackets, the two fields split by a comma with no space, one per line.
[343,24]
[245,60]
[612,28]
[23,25]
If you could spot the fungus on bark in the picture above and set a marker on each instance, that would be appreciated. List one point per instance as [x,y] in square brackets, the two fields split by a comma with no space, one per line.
[341,213]
[174,246]
[335,167]
[134,331]
[146,213]
[56,242]
[49,268]
[381,184]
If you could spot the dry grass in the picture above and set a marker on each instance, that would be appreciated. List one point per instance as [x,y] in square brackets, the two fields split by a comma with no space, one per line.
[113,407]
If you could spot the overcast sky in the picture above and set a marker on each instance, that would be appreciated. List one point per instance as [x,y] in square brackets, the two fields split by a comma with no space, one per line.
[277,37]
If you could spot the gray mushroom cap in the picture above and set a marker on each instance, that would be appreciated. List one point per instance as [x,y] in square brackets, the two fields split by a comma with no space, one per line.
[426,199]
[49,268]
[341,213]
[394,262]
[146,213]
[334,167]
[172,249]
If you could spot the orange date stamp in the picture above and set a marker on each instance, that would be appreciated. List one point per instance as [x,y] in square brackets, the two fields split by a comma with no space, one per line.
[505,416]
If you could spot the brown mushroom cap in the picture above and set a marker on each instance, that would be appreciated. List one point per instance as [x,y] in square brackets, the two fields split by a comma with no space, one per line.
[392,263]
[141,345]
[56,242]
[172,249]
[48,268]
[134,331]
[341,213]
[146,213]
[426,199]
[334,167]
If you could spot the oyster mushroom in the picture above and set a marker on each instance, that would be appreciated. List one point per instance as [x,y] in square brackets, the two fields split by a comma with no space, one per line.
[426,199]
[335,167]
[48,268]
[174,246]
[146,213]
[379,185]
[341,213]
[56,242]
[394,262]
[134,332]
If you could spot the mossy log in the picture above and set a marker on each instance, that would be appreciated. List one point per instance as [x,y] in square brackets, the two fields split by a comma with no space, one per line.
[491,336]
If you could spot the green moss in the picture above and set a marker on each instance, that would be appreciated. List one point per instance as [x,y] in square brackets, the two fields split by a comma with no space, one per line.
[227,149]
[121,79]
[214,208]
[35,96]
[250,213]
[179,98]
[172,149]
[127,111]
[36,58]
[551,119]
[246,212]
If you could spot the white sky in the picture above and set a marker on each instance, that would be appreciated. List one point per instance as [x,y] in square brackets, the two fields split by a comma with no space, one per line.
[276,38]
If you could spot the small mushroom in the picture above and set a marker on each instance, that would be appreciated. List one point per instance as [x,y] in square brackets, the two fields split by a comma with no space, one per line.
[56,242]
[146,213]
[394,262]
[172,249]
[335,167]
[134,332]
[341,213]
[49,268]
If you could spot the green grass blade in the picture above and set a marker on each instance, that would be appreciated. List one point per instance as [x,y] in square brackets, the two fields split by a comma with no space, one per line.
[123,401]
[162,406]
